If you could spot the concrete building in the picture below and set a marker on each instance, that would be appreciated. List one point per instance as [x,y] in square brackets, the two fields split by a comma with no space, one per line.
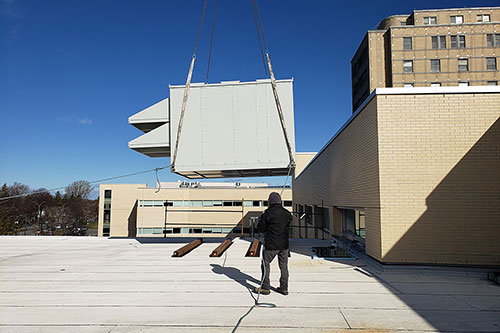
[192,208]
[443,47]
[414,174]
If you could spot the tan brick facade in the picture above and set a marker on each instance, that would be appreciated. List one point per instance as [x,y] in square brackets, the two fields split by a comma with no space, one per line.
[129,216]
[441,53]
[425,167]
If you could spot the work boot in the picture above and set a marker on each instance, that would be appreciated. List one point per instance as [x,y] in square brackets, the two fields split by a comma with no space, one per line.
[262,291]
[282,291]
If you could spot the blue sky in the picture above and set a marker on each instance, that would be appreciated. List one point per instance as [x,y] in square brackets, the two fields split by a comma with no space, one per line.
[72,72]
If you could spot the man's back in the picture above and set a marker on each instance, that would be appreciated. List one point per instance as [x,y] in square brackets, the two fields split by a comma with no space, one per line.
[274,223]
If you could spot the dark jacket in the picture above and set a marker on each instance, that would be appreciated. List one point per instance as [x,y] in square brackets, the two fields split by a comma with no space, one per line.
[274,223]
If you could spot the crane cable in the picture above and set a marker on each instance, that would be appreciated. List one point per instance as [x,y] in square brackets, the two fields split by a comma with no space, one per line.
[273,84]
[186,91]
[211,42]
[258,35]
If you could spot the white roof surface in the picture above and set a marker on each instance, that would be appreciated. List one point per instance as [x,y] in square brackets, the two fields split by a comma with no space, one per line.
[82,284]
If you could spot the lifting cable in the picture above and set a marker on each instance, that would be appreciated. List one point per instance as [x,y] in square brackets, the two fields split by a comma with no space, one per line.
[211,42]
[258,35]
[186,91]
[273,84]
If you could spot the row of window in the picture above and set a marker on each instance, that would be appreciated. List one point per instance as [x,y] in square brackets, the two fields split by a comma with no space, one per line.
[456,41]
[208,203]
[456,19]
[463,65]
[106,221]
[460,84]
[159,231]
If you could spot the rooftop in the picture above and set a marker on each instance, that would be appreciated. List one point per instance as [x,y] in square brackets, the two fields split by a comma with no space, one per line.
[75,284]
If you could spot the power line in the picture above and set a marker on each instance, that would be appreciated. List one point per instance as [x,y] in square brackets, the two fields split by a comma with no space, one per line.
[92,182]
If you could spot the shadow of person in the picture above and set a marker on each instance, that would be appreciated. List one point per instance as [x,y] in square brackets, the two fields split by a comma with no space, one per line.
[236,275]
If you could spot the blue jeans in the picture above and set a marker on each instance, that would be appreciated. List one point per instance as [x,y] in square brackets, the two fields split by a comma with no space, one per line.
[267,258]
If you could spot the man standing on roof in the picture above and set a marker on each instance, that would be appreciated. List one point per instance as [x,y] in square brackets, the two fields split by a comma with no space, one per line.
[274,222]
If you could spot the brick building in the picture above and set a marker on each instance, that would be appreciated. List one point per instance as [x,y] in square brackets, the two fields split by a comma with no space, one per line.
[414,174]
[444,47]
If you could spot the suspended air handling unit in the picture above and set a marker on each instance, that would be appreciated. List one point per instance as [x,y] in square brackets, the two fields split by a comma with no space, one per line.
[230,129]
[226,129]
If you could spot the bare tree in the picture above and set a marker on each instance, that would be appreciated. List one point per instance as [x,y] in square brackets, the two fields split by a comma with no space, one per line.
[79,189]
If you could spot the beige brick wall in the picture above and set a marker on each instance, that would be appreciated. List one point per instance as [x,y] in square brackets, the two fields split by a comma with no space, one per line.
[469,14]
[426,170]
[123,200]
[126,216]
[476,52]
[345,174]
[440,178]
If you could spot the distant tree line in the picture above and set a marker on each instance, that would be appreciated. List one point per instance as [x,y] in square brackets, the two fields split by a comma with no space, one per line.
[38,212]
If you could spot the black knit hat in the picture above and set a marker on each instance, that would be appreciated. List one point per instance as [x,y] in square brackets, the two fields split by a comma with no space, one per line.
[274,199]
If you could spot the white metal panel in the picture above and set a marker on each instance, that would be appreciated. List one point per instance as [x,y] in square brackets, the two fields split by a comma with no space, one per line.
[232,127]
[155,113]
[155,143]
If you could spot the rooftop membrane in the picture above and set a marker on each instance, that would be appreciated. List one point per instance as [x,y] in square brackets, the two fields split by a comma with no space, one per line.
[83,284]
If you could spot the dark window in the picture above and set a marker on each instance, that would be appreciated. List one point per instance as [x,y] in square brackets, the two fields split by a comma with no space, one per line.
[407,45]
[435,65]
[463,65]
[237,203]
[457,41]
[493,40]
[457,19]
[438,42]
[430,20]
[483,18]
[265,203]
[107,194]
[492,83]
[256,203]
[176,230]
[491,64]
[227,203]
[408,66]
[287,203]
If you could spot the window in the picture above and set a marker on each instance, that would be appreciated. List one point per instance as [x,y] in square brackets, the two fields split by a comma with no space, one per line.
[483,18]
[463,65]
[436,84]
[406,43]
[463,84]
[408,85]
[457,19]
[492,83]
[493,40]
[256,203]
[457,41]
[227,203]
[287,203]
[435,65]
[403,23]
[430,20]
[107,194]
[217,203]
[408,66]
[491,64]
[438,42]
